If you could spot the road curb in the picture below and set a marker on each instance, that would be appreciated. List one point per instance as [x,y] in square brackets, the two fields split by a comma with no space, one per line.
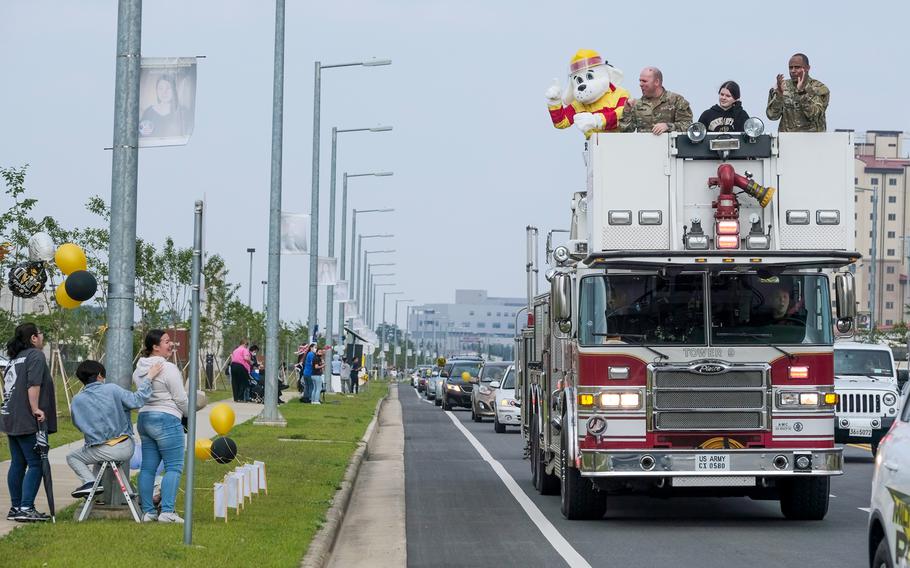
[320,550]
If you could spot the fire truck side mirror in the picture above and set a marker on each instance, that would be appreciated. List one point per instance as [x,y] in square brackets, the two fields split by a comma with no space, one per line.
[845,301]
[560,297]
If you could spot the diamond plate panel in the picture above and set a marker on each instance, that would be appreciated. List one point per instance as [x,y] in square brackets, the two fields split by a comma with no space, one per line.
[621,237]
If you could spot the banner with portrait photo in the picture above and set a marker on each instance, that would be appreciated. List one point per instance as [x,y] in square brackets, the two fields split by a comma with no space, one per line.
[326,270]
[295,227]
[167,100]
[341,291]
[350,310]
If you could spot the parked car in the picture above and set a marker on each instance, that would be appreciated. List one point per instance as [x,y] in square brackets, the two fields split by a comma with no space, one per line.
[458,384]
[483,397]
[865,381]
[889,529]
[434,384]
[508,411]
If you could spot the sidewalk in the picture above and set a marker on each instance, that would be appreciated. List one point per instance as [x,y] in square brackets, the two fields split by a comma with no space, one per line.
[65,480]
[373,530]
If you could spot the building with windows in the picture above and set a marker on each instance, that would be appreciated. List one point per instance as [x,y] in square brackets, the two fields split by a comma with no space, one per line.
[881,171]
[473,324]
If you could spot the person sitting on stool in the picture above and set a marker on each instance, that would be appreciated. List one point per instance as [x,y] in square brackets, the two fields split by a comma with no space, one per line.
[102,413]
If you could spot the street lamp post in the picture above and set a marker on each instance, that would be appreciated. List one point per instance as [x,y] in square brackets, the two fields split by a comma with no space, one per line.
[249,296]
[362,271]
[396,341]
[356,274]
[370,298]
[344,222]
[330,300]
[385,332]
[314,192]
[372,295]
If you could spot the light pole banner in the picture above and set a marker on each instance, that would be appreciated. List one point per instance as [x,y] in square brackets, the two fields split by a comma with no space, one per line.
[167,100]
[350,310]
[327,270]
[341,291]
[410,353]
[294,230]
[397,350]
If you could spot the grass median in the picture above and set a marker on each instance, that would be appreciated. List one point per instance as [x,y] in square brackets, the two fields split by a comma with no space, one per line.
[305,463]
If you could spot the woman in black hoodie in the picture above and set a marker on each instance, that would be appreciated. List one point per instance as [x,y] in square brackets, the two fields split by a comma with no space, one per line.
[728,115]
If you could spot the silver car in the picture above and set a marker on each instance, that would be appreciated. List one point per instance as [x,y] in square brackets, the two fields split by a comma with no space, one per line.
[508,412]
[433,384]
[483,396]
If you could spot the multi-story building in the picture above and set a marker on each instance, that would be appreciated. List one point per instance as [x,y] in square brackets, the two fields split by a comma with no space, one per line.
[472,324]
[882,171]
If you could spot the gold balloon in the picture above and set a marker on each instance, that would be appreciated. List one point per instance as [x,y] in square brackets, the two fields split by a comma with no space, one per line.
[222,418]
[466,376]
[70,258]
[63,298]
[203,449]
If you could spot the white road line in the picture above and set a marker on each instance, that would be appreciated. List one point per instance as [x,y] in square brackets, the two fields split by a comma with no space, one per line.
[420,398]
[562,546]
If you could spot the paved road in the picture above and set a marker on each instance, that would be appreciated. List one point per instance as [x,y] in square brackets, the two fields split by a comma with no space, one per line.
[461,513]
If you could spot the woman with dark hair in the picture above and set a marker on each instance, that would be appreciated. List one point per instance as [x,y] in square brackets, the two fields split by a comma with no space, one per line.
[29,399]
[728,114]
[165,118]
[159,427]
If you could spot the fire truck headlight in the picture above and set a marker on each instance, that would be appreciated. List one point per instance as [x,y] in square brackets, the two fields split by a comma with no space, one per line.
[889,399]
[808,399]
[788,399]
[610,400]
[754,127]
[630,400]
[696,132]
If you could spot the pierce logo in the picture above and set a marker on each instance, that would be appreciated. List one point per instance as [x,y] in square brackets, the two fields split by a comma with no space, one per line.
[709,369]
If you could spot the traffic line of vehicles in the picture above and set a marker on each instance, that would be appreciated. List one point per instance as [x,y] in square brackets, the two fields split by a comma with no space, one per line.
[486,388]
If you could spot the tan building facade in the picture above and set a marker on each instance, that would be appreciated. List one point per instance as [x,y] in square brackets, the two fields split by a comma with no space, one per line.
[882,170]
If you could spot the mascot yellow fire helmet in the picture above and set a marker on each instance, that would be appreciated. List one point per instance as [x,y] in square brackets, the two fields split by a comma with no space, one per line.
[583,59]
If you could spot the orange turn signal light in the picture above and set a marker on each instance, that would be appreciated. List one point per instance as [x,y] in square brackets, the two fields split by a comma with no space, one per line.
[831,398]
[586,400]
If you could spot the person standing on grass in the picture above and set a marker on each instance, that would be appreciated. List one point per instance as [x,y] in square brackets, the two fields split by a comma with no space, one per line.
[241,363]
[318,370]
[309,357]
[102,413]
[160,429]
[345,375]
[355,375]
[29,399]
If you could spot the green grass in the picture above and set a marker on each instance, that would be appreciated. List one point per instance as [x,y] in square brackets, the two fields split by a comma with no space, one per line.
[273,529]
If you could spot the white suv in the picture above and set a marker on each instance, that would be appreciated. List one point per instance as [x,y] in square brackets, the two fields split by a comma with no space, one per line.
[865,381]
[889,515]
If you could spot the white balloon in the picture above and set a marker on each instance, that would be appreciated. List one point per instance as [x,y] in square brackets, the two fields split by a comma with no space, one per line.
[41,247]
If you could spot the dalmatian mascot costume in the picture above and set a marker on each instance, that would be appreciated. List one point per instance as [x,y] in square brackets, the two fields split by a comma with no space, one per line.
[593,100]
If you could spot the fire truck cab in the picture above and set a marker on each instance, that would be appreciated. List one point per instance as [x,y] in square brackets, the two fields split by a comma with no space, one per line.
[685,344]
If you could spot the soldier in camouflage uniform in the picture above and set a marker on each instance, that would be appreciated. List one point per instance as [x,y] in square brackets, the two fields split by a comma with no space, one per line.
[658,110]
[799,103]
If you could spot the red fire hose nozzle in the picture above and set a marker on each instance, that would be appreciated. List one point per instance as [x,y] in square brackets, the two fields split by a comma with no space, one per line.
[727,178]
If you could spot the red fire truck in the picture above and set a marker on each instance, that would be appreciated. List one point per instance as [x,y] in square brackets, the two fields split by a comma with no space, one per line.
[684,346]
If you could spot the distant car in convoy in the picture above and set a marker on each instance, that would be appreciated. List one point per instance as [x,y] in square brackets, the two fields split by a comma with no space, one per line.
[508,411]
[458,384]
[483,397]
[865,381]
[434,382]
[889,513]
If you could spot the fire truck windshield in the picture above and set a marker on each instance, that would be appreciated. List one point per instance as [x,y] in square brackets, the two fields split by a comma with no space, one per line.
[669,309]
[643,308]
[784,309]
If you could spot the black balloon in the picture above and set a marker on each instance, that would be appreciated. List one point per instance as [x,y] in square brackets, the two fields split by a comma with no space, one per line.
[81,285]
[224,450]
[28,279]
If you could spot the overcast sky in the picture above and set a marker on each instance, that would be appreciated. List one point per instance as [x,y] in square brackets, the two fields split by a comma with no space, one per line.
[474,153]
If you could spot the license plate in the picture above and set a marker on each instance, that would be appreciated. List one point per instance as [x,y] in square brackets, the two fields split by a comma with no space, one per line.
[861,432]
[712,462]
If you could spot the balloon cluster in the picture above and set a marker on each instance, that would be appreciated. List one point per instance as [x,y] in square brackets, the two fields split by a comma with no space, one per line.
[28,279]
[222,449]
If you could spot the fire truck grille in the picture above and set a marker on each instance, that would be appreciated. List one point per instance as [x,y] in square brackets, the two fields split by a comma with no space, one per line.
[859,403]
[685,400]
[687,379]
[708,420]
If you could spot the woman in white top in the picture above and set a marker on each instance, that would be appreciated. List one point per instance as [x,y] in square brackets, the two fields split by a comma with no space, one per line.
[160,429]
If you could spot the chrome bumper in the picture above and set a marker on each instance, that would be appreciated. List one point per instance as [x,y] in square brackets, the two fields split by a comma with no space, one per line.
[682,463]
